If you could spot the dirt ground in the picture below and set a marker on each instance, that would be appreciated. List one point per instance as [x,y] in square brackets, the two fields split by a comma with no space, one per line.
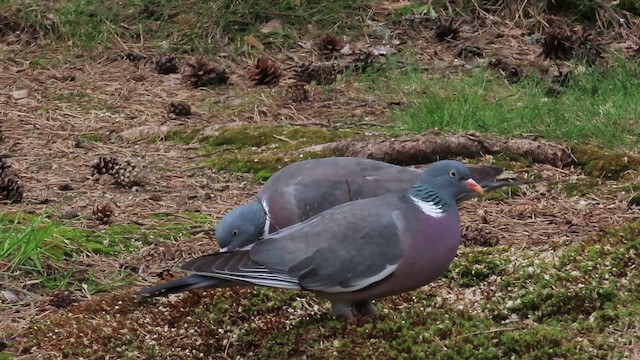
[72,114]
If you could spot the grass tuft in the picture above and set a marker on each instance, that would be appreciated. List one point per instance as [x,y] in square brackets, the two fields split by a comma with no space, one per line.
[26,246]
[591,109]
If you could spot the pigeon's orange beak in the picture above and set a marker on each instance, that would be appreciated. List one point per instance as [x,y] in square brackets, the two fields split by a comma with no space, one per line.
[471,184]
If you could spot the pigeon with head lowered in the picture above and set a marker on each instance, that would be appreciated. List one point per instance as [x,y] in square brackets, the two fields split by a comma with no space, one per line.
[306,188]
[352,253]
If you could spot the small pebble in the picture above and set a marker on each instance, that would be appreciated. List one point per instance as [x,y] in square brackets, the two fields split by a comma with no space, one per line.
[70,214]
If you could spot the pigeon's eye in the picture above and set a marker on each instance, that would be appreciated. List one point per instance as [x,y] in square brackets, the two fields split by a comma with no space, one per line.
[453,173]
[234,232]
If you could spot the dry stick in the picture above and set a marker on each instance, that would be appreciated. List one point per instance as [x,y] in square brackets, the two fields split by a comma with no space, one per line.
[284,139]
[433,145]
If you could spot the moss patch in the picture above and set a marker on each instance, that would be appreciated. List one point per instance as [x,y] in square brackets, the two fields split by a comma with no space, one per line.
[606,164]
[474,266]
[575,284]
[288,138]
[581,188]
[264,150]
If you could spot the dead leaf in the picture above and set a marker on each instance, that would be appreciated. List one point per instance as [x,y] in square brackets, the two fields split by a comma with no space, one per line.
[20,94]
[252,41]
[272,26]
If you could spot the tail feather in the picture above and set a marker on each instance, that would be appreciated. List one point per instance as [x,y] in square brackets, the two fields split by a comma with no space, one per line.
[188,283]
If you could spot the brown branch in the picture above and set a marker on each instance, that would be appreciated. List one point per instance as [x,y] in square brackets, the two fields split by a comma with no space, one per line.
[435,145]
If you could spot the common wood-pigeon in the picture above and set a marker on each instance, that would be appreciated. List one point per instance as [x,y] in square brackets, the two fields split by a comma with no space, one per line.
[354,252]
[306,188]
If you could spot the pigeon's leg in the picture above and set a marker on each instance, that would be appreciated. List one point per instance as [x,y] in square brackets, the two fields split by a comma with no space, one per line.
[342,311]
[365,308]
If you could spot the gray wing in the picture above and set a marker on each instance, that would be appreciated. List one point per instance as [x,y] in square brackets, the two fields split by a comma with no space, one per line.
[307,188]
[344,249]
[304,189]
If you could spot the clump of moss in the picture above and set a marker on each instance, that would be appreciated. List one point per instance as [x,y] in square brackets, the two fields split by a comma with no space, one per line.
[471,268]
[247,136]
[581,188]
[583,280]
[511,161]
[264,150]
[91,137]
[606,164]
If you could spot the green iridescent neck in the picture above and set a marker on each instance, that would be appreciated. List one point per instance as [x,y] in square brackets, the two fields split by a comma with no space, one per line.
[427,194]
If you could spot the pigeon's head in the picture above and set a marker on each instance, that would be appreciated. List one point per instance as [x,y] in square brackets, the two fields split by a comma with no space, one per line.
[242,226]
[451,178]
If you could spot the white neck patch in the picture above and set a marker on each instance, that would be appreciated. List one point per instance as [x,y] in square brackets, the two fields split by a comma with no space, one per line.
[267,221]
[428,208]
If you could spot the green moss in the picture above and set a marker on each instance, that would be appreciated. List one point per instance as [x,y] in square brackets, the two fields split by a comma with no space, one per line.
[264,175]
[581,281]
[511,161]
[264,150]
[581,188]
[92,137]
[247,136]
[474,266]
[602,163]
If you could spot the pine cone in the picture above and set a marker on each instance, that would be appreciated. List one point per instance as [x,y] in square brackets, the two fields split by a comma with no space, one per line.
[298,92]
[322,74]
[10,185]
[105,165]
[330,43]
[178,108]
[558,44]
[167,65]
[447,30]
[203,73]
[127,174]
[103,212]
[266,71]
[133,57]
[61,299]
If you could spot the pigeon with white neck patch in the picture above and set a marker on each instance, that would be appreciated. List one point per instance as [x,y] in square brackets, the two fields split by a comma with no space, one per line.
[307,188]
[353,253]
